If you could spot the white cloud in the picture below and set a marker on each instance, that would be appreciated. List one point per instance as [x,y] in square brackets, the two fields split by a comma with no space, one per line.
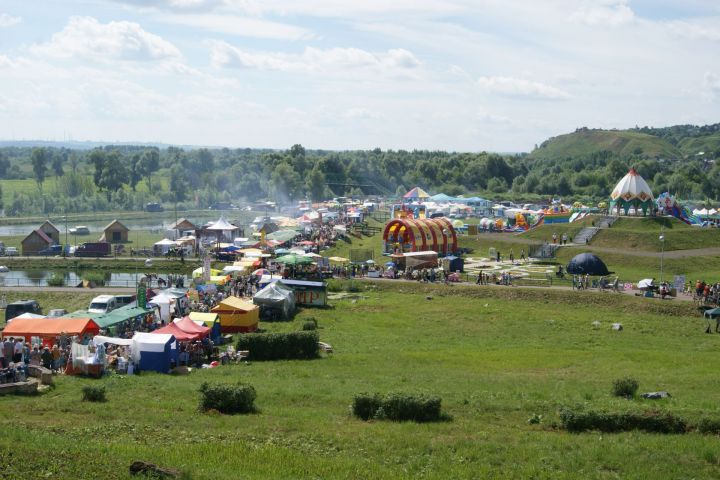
[86,38]
[711,84]
[8,20]
[694,31]
[521,88]
[360,113]
[613,13]
[179,5]
[484,116]
[239,25]
[224,55]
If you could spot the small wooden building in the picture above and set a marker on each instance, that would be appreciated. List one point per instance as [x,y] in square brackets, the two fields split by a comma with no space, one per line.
[36,241]
[115,232]
[183,225]
[51,231]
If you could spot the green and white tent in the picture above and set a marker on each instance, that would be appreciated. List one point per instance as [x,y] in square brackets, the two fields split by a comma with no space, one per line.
[632,191]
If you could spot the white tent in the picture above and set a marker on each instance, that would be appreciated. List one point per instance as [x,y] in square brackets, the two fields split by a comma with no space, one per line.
[164,245]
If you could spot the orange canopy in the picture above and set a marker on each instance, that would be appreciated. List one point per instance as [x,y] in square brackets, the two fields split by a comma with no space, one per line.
[50,327]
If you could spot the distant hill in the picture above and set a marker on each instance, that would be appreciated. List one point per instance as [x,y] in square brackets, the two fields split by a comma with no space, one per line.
[672,143]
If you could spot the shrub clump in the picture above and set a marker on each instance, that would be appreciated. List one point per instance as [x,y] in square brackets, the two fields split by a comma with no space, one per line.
[56,280]
[93,394]
[280,346]
[399,407]
[625,387]
[654,421]
[709,426]
[309,326]
[228,399]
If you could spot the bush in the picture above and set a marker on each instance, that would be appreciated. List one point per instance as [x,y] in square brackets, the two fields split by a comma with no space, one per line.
[655,421]
[56,280]
[93,394]
[625,387]
[280,346]
[365,406]
[98,278]
[399,407]
[309,326]
[228,399]
[709,425]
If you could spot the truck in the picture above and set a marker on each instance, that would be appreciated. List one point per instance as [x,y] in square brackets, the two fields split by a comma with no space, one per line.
[22,306]
[93,249]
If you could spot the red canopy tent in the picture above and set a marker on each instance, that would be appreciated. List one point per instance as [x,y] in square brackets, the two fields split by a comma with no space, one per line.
[178,333]
[188,326]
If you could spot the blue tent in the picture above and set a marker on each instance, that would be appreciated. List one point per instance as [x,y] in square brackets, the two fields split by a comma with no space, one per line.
[441,197]
[154,351]
[587,263]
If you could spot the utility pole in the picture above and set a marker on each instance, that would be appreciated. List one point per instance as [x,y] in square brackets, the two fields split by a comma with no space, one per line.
[662,251]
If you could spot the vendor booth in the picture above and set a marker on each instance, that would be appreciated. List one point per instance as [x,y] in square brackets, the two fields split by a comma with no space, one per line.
[177,332]
[237,315]
[154,352]
[210,320]
[48,329]
[308,293]
[275,301]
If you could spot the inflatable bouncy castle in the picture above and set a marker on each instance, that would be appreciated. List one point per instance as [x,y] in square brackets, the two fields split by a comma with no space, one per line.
[667,205]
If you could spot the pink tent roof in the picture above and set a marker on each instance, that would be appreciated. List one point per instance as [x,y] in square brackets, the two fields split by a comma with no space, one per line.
[178,333]
[188,326]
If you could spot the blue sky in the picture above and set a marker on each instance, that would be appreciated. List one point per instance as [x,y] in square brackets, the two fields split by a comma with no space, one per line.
[465,75]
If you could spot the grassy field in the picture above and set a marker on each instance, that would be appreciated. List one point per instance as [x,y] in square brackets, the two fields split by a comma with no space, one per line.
[643,234]
[633,268]
[496,356]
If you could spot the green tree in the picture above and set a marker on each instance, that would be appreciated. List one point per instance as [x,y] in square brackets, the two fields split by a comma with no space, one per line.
[178,183]
[114,174]
[96,158]
[39,158]
[135,171]
[57,162]
[149,164]
[286,184]
[315,184]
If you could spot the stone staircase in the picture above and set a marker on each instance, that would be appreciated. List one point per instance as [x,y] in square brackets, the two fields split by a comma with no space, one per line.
[543,252]
[585,235]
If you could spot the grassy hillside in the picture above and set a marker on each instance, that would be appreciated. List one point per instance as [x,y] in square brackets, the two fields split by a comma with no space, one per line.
[497,356]
[585,142]
[643,234]
[707,144]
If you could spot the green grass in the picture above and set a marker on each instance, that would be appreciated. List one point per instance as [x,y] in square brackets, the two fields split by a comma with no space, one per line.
[643,234]
[496,356]
[623,143]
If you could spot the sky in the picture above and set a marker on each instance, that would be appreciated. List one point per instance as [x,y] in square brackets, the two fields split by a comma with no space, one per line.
[458,75]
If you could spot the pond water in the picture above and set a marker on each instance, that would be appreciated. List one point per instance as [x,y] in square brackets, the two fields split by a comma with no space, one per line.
[17,278]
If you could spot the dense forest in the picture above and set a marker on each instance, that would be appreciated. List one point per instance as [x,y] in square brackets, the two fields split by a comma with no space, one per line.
[583,165]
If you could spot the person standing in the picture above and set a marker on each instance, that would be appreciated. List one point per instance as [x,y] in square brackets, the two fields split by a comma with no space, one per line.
[17,351]
[512,256]
[522,254]
[7,347]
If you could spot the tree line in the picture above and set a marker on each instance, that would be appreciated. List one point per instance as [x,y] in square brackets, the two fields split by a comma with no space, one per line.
[127,177]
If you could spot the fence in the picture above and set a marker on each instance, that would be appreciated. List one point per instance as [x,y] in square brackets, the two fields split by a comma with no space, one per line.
[29,282]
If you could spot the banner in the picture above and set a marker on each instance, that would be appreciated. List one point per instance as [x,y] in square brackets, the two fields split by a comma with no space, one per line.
[141,295]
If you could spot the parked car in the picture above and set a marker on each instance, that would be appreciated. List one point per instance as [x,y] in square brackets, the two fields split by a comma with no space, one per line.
[80,230]
[93,249]
[22,306]
[12,252]
[125,300]
[51,251]
[57,313]
[154,207]
[103,304]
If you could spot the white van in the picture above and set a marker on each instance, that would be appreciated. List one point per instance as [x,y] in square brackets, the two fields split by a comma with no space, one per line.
[103,304]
